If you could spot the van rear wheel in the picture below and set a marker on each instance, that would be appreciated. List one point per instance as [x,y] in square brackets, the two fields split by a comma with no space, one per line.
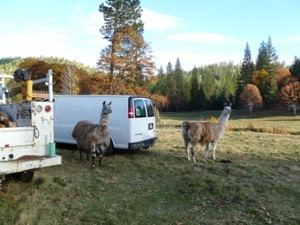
[110,150]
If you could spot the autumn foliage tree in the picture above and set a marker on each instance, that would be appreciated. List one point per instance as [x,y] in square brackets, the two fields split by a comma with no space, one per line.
[127,59]
[160,102]
[282,75]
[69,80]
[290,95]
[251,97]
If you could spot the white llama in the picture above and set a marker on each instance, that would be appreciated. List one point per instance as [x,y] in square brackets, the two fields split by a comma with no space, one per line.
[205,133]
[93,138]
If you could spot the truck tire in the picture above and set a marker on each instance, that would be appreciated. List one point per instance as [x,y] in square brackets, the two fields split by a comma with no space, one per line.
[27,176]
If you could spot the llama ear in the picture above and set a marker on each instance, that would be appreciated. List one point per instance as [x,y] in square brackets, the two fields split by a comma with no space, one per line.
[104,103]
[109,103]
[230,104]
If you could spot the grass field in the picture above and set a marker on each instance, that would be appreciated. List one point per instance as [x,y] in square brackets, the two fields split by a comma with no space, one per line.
[259,185]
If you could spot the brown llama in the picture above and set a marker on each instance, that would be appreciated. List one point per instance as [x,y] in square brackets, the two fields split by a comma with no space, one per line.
[93,138]
[207,133]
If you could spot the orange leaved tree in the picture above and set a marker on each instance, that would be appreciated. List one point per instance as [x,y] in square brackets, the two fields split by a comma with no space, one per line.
[290,95]
[251,97]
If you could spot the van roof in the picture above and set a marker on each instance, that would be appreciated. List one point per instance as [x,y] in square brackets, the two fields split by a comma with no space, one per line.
[108,96]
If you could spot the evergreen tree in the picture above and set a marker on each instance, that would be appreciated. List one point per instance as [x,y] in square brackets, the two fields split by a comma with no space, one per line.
[267,57]
[178,76]
[271,92]
[295,68]
[182,95]
[247,68]
[161,84]
[209,87]
[262,61]
[170,80]
[194,102]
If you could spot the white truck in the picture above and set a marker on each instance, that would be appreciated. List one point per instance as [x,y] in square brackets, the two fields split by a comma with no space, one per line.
[30,144]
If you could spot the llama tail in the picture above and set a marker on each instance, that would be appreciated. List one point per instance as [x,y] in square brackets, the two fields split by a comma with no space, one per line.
[185,126]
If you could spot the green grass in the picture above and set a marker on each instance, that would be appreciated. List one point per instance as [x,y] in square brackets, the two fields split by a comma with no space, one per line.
[261,185]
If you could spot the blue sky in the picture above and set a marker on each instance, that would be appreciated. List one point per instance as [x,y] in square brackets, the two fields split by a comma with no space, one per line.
[198,32]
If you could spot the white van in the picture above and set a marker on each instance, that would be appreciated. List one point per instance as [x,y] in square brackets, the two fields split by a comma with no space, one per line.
[131,123]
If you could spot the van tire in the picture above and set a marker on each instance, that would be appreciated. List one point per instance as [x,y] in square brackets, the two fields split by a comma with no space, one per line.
[110,150]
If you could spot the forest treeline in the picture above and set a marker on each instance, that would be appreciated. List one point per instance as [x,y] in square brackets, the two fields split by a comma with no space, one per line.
[126,66]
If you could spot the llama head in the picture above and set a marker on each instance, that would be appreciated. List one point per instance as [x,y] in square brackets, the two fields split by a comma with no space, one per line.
[106,108]
[227,110]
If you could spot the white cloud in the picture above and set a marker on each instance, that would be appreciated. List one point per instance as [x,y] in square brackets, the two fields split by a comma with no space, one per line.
[203,37]
[89,24]
[158,21]
[35,43]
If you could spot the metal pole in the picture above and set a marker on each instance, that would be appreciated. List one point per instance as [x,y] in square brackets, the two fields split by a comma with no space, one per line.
[50,85]
[29,86]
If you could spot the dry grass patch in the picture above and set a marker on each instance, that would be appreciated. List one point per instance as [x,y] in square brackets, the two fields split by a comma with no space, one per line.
[259,185]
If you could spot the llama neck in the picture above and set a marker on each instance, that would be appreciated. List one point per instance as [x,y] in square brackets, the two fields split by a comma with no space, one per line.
[103,121]
[224,119]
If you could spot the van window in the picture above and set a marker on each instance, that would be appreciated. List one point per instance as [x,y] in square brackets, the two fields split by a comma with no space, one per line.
[150,110]
[139,108]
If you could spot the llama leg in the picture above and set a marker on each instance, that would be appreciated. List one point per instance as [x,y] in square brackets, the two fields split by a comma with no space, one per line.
[93,157]
[93,162]
[214,146]
[206,150]
[102,149]
[87,156]
[193,152]
[100,160]
[187,151]
[80,154]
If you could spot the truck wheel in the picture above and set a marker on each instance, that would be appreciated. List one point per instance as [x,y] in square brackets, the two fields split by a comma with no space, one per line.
[27,176]
[110,150]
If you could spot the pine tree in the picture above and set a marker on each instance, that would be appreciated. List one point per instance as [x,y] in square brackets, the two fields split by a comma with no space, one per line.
[178,76]
[247,68]
[161,84]
[262,61]
[209,87]
[170,80]
[267,57]
[295,68]
[194,102]
[182,91]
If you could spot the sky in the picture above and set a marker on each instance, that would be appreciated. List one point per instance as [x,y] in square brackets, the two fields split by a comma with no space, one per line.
[197,32]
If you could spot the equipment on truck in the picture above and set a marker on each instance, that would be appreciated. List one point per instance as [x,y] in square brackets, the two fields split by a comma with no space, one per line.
[29,143]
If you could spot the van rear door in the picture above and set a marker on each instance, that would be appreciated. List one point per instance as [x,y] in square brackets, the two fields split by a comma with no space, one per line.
[141,123]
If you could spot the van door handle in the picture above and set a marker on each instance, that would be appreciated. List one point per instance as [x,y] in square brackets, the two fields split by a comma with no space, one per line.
[150,126]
